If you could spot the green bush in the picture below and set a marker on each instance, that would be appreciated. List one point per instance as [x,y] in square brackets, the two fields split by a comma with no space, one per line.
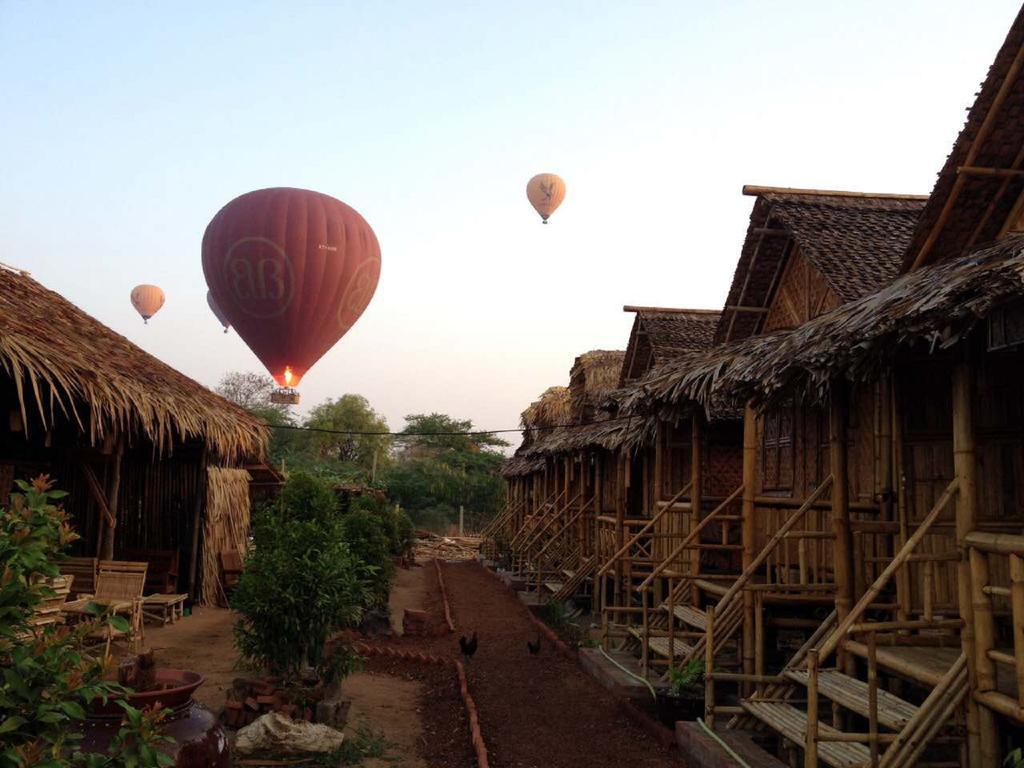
[301,583]
[403,532]
[369,538]
[48,682]
[305,497]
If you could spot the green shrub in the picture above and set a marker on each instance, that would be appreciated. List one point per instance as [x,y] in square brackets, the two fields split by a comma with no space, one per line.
[301,583]
[369,539]
[686,680]
[404,532]
[305,497]
[48,682]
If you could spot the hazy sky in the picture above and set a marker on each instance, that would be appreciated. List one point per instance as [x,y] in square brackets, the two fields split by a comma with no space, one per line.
[125,126]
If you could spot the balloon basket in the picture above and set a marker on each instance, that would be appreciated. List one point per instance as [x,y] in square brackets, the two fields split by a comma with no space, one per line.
[285,396]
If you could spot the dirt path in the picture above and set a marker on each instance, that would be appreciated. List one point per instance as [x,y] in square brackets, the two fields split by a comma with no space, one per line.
[389,705]
[538,711]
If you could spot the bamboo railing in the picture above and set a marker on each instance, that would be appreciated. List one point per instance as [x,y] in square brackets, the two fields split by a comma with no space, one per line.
[644,531]
[625,555]
[981,546]
[899,561]
[905,746]
[557,549]
[727,617]
[527,550]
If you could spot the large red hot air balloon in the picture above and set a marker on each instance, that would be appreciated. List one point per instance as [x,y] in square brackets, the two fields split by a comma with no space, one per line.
[292,270]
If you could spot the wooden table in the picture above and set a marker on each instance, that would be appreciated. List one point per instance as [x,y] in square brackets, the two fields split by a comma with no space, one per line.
[165,609]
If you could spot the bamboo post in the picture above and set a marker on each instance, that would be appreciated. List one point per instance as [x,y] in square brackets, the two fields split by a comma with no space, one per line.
[982,746]
[696,493]
[1017,608]
[903,597]
[838,455]
[749,533]
[645,652]
[759,635]
[984,638]
[811,746]
[113,493]
[709,663]
[873,698]
[197,522]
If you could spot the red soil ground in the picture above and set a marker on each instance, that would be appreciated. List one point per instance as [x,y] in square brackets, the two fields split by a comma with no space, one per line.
[537,711]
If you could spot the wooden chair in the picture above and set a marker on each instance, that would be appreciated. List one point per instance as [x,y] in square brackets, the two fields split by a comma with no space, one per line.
[50,609]
[119,588]
[162,576]
[83,569]
[230,568]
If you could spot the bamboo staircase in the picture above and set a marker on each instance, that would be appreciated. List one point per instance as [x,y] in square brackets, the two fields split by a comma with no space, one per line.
[559,559]
[898,730]
[544,513]
[498,530]
[693,625]
[632,562]
[546,530]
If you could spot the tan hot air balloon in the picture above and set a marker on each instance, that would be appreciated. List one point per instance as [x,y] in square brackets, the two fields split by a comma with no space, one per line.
[545,192]
[147,300]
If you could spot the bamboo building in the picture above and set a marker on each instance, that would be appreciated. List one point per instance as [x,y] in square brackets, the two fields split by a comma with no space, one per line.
[150,458]
[863,603]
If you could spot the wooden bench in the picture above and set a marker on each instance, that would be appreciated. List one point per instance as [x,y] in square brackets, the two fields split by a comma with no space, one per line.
[162,575]
[165,609]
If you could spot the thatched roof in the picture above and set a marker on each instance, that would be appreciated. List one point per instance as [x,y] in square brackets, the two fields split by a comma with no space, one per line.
[938,305]
[855,240]
[548,410]
[593,375]
[516,466]
[967,208]
[65,362]
[660,334]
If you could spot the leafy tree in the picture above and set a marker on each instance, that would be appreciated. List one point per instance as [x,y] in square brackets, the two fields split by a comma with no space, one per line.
[353,414]
[438,433]
[440,468]
[252,391]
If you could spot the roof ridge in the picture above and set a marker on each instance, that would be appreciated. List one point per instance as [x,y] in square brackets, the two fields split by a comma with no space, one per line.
[671,310]
[755,190]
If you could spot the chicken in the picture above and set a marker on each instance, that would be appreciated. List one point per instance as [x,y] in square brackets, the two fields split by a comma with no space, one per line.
[533,648]
[468,647]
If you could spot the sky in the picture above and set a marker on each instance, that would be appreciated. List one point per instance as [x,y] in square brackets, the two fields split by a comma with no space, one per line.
[125,127]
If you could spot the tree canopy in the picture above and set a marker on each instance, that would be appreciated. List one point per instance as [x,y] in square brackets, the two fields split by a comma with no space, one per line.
[432,467]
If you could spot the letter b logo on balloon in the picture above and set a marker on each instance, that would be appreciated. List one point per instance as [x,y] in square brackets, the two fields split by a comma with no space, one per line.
[258,274]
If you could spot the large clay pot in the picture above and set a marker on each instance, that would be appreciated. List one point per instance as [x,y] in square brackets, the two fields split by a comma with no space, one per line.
[198,741]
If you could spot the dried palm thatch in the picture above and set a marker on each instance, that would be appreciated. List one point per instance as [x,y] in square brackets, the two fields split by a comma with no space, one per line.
[549,410]
[226,526]
[517,466]
[594,374]
[64,362]
[938,305]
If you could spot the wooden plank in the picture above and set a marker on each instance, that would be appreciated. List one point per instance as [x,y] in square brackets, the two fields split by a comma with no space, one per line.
[790,722]
[893,712]
[690,615]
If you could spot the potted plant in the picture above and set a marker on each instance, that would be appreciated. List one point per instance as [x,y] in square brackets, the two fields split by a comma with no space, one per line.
[684,697]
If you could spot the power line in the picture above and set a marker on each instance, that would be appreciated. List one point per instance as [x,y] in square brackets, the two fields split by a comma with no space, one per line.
[472,433]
